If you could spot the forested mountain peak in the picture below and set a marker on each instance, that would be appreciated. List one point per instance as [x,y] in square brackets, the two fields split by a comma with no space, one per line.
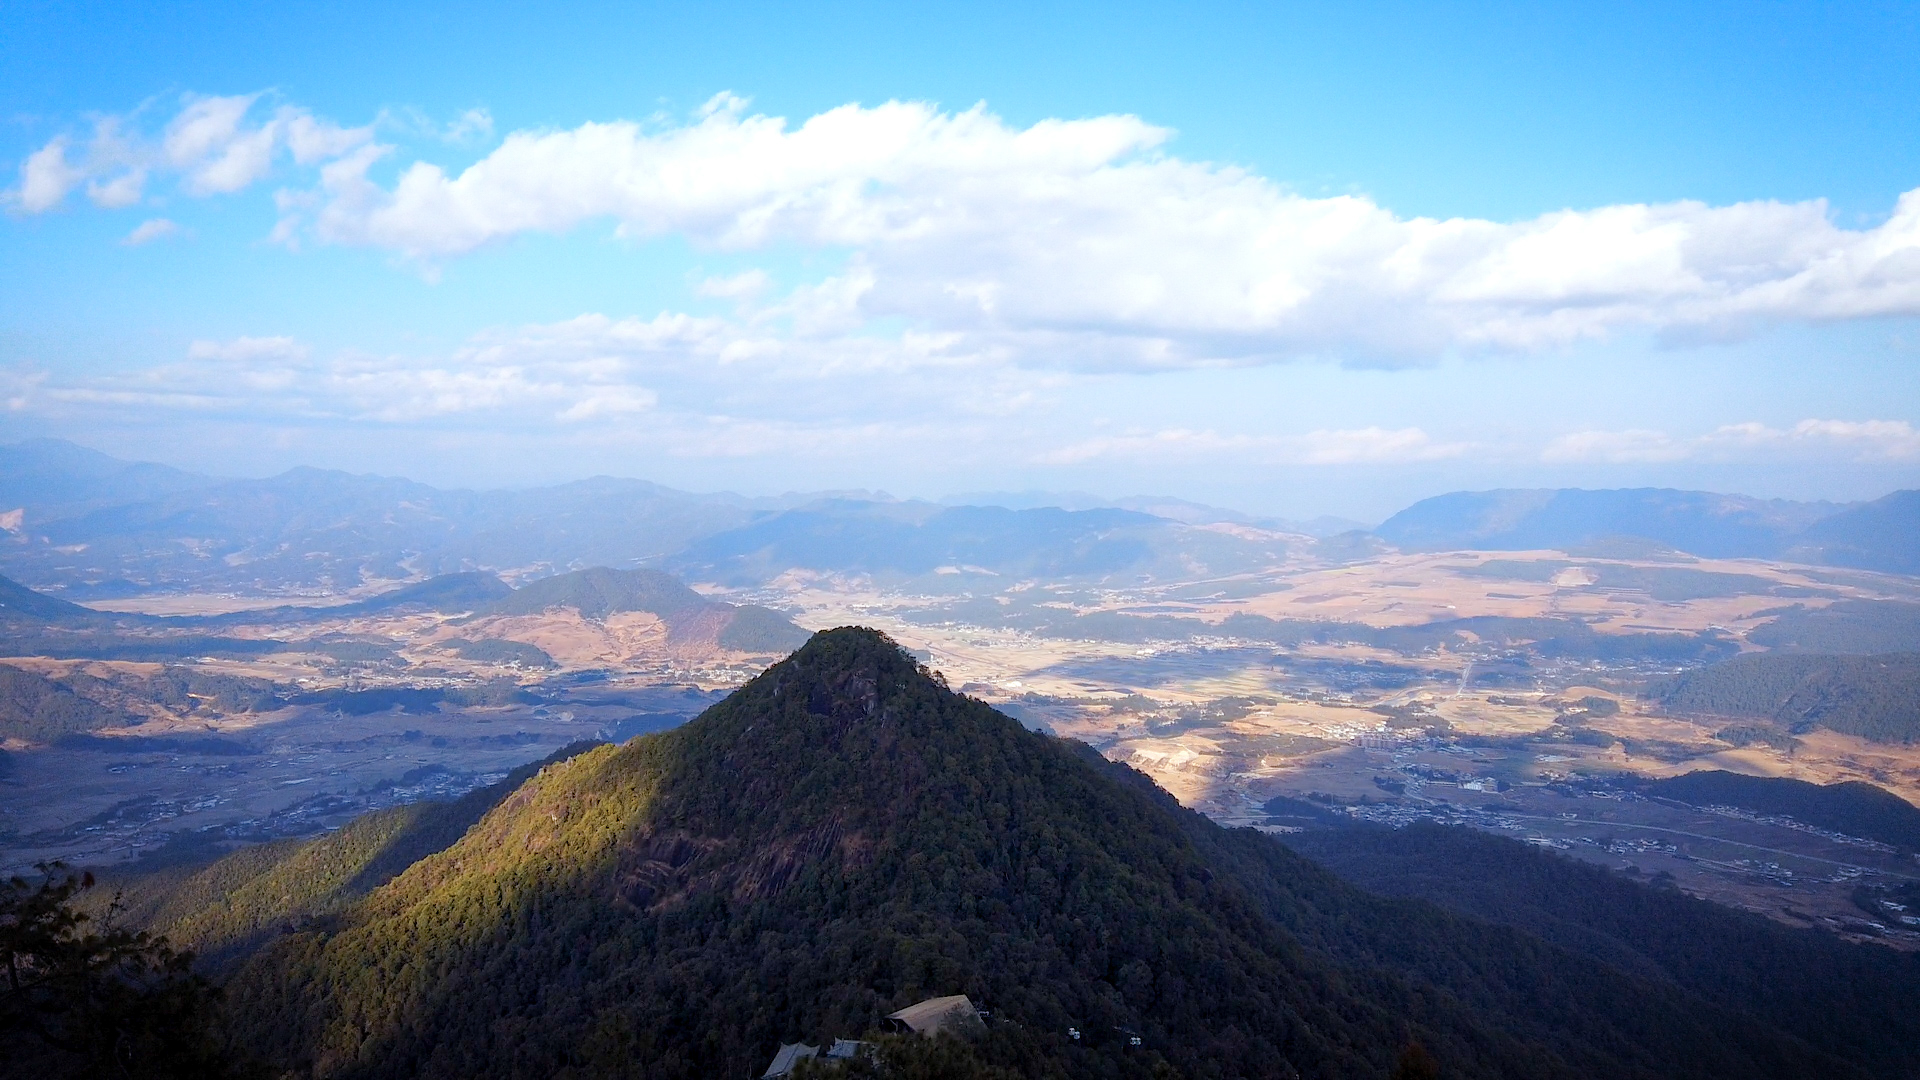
[844,836]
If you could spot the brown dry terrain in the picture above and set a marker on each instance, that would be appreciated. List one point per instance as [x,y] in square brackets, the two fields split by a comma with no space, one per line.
[238,776]
[1224,724]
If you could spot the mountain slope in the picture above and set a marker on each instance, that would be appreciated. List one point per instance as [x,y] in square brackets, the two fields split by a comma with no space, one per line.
[1875,697]
[227,908]
[843,836]
[20,605]
[1847,998]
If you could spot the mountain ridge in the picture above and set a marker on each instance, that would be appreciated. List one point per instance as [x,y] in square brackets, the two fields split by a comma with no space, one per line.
[844,836]
[124,528]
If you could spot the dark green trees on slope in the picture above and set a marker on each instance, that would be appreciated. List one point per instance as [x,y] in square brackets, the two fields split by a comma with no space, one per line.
[842,837]
[81,997]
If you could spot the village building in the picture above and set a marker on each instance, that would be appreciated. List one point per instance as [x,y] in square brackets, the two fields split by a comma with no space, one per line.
[790,1054]
[955,1015]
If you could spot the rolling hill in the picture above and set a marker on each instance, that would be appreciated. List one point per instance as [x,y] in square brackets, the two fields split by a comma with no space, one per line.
[1876,697]
[844,836]
[599,592]
[1854,807]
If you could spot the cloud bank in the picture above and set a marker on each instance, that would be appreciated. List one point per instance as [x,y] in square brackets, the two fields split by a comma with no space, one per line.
[1076,244]
[989,283]
[1083,238]
[1862,441]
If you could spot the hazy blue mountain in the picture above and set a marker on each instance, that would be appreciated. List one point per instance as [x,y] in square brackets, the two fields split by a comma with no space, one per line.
[50,478]
[20,605]
[1881,535]
[1184,511]
[923,540]
[447,592]
[1518,519]
[101,527]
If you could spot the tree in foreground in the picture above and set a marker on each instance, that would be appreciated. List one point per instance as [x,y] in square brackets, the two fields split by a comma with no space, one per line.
[81,997]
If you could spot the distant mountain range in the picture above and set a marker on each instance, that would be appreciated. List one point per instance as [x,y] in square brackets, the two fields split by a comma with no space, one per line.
[844,836]
[92,527]
[1883,535]
[926,542]
[95,527]
[1165,506]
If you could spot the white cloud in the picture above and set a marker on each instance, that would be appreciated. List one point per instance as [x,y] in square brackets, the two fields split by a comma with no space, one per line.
[1355,446]
[1846,440]
[243,350]
[742,286]
[1635,445]
[1861,440]
[120,191]
[209,144]
[204,128]
[472,126]
[46,177]
[1374,445]
[961,222]
[311,140]
[610,401]
[150,230]
[1066,244]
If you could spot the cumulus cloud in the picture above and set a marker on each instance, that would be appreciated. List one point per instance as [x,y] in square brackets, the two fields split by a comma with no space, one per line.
[742,286]
[1086,227]
[46,177]
[150,230]
[118,191]
[213,145]
[1867,441]
[1065,244]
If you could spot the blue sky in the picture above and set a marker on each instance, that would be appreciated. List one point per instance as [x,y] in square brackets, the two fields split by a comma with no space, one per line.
[1298,259]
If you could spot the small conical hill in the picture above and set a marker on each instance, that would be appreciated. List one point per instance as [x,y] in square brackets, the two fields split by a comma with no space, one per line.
[843,836]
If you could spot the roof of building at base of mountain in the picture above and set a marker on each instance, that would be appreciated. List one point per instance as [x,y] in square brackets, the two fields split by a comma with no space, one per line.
[954,1013]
